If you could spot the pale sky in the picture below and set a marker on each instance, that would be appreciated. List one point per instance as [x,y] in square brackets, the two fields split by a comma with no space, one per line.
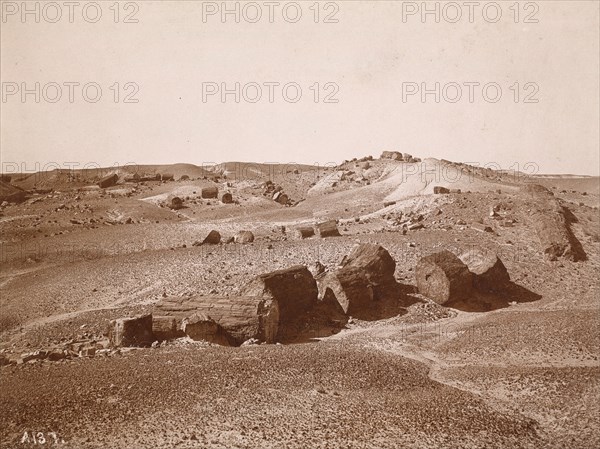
[370,56]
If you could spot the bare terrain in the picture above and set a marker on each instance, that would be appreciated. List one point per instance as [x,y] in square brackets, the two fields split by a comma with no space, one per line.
[513,368]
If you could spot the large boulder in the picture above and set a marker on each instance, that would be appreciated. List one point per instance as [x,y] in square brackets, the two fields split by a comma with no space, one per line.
[240,317]
[135,331]
[439,190]
[490,273]
[443,277]
[294,289]
[167,177]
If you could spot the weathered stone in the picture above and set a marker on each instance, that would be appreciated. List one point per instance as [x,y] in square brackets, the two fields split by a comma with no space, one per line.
[108,181]
[393,155]
[210,192]
[244,237]
[490,273]
[280,198]
[294,289]
[443,277]
[240,317]
[175,203]
[377,262]
[440,190]
[201,327]
[303,232]
[167,177]
[136,331]
[327,229]
[551,223]
[165,327]
[350,287]
[481,227]
[212,238]
[226,198]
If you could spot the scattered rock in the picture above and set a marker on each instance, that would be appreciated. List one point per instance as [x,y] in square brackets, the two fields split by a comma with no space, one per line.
[438,190]
[213,238]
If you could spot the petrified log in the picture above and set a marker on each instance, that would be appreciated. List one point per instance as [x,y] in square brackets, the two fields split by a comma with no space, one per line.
[212,238]
[135,331]
[175,202]
[350,287]
[327,229]
[490,273]
[210,192]
[379,266]
[481,227]
[240,317]
[443,277]
[226,198]
[551,223]
[304,232]
[294,289]
[438,190]
[165,327]
[244,237]
[200,326]
[108,181]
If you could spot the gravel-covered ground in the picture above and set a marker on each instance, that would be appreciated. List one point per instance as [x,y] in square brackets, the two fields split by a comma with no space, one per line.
[519,371]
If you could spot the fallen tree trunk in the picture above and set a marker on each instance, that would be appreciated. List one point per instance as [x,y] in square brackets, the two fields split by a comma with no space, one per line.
[350,287]
[241,317]
[443,277]
[132,331]
[551,223]
[327,229]
[379,266]
[304,232]
[294,289]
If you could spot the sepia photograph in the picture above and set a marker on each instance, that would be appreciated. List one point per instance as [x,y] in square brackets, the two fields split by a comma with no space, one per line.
[347,224]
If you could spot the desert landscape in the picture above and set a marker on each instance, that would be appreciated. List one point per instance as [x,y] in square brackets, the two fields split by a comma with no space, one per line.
[387,301]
